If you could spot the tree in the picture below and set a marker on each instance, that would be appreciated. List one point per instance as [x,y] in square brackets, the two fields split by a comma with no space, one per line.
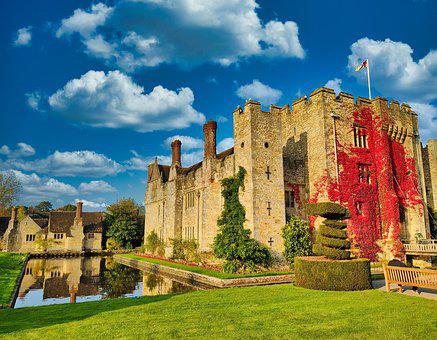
[123,223]
[21,212]
[9,188]
[233,242]
[44,206]
[297,239]
[68,207]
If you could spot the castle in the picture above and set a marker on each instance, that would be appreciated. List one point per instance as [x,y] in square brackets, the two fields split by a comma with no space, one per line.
[365,154]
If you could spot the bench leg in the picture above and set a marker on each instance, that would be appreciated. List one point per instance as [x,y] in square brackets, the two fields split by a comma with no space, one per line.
[387,286]
[400,290]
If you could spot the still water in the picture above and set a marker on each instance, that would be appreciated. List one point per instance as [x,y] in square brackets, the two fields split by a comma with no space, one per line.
[80,279]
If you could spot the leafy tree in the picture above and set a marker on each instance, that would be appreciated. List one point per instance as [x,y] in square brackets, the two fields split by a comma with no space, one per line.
[297,239]
[123,223]
[44,206]
[68,207]
[9,188]
[233,242]
[43,243]
[21,212]
[154,244]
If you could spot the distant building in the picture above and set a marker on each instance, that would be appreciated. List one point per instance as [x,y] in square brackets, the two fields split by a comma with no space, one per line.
[73,231]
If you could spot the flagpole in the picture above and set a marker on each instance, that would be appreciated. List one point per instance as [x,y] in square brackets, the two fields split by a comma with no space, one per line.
[368,78]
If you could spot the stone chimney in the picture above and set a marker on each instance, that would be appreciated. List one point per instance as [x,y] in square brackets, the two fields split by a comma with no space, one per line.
[209,132]
[30,210]
[79,210]
[176,152]
[14,214]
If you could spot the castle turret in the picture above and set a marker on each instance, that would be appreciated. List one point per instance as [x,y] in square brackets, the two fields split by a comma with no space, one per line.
[210,135]
[176,152]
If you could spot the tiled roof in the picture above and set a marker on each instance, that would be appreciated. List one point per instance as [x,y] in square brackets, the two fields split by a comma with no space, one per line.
[93,222]
[56,287]
[225,153]
[61,221]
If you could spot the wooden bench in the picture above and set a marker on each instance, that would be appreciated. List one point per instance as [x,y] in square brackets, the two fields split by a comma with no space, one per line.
[404,276]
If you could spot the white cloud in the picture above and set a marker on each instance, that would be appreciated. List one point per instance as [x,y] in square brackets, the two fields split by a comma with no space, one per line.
[334,84]
[33,99]
[188,143]
[96,186]
[91,204]
[225,144]
[396,74]
[219,31]
[259,91]
[113,100]
[222,119]
[70,163]
[22,150]
[23,36]
[36,188]
[85,22]
[138,162]
[190,158]
[98,47]
[393,71]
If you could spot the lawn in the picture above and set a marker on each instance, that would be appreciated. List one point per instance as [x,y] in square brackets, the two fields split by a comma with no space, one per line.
[10,269]
[200,270]
[262,311]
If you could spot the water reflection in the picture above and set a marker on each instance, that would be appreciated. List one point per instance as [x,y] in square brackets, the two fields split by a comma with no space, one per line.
[63,280]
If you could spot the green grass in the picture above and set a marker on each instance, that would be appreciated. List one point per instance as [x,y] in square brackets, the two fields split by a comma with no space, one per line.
[10,269]
[282,311]
[200,270]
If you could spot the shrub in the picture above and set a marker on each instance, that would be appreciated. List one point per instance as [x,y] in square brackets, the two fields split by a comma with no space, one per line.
[297,239]
[331,241]
[316,273]
[233,243]
[154,244]
[185,250]
[112,244]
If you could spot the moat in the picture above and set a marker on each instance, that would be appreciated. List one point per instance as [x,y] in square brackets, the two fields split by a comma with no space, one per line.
[80,279]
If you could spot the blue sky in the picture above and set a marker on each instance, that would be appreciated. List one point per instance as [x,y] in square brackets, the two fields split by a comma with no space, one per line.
[93,91]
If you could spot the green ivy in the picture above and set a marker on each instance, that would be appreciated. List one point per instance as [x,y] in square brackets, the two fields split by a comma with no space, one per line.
[297,239]
[233,242]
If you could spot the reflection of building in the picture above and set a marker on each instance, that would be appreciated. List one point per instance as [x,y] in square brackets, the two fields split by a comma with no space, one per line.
[156,285]
[364,154]
[62,278]
[55,231]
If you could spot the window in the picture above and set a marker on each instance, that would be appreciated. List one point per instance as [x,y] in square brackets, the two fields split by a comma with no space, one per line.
[402,215]
[289,199]
[30,238]
[266,145]
[28,271]
[189,200]
[360,137]
[58,236]
[359,207]
[90,235]
[364,173]
[55,273]
[242,144]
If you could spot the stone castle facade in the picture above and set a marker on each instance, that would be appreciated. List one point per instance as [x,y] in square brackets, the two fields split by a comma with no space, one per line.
[298,154]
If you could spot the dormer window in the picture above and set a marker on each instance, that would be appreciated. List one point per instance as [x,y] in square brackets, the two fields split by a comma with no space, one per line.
[360,137]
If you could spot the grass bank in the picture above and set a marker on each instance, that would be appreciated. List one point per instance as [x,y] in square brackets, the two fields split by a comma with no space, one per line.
[11,265]
[264,311]
[201,270]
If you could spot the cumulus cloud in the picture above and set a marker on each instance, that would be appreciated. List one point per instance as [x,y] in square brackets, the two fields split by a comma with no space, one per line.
[225,144]
[36,188]
[22,150]
[259,91]
[396,74]
[85,22]
[222,119]
[113,100]
[23,36]
[70,163]
[91,204]
[219,31]
[139,162]
[96,186]
[334,84]
[188,142]
[33,99]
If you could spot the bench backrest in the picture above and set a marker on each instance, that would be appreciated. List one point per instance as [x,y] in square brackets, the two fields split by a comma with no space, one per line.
[426,278]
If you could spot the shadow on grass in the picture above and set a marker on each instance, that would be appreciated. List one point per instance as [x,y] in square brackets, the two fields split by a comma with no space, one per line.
[13,320]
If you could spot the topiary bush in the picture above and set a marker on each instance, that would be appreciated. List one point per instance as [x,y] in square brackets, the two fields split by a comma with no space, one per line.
[233,242]
[297,238]
[331,240]
[324,274]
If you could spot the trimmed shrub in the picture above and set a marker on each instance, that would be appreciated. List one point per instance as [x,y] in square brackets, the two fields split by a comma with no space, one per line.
[322,274]
[330,252]
[332,232]
[329,210]
[297,239]
[335,224]
[333,242]
[233,243]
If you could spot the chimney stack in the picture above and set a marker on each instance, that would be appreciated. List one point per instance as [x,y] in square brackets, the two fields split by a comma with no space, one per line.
[209,132]
[176,152]
[14,214]
[79,210]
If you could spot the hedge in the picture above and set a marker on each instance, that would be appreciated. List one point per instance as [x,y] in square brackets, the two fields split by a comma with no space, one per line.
[329,210]
[333,242]
[335,224]
[323,274]
[331,232]
[333,253]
